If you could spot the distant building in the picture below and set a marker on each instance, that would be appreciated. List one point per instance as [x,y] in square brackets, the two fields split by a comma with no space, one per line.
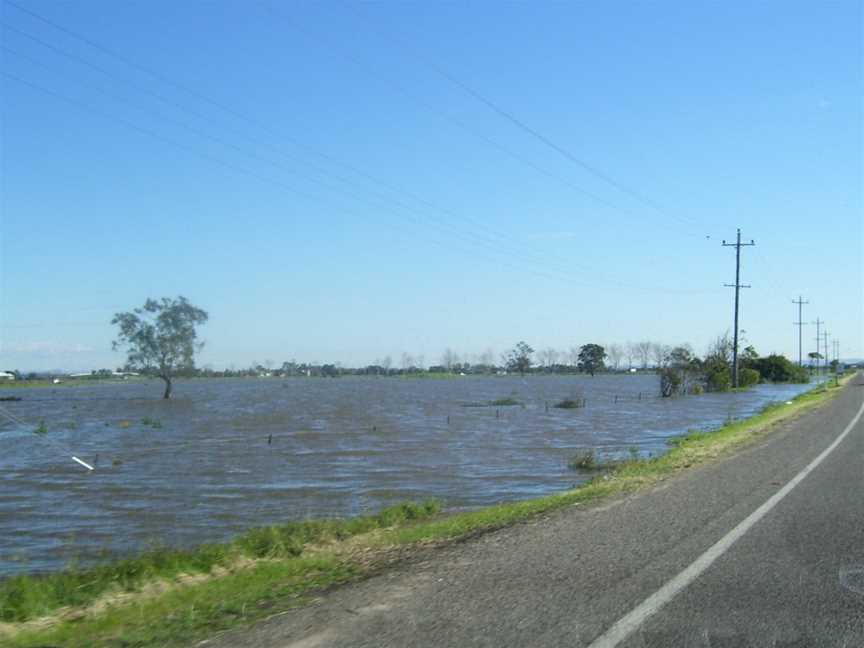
[6,375]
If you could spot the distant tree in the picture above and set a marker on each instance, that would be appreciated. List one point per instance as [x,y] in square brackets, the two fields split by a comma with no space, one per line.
[160,337]
[630,353]
[519,358]
[778,368]
[615,354]
[643,352]
[659,352]
[548,357]
[591,357]
[573,356]
[407,361]
[449,359]
[748,355]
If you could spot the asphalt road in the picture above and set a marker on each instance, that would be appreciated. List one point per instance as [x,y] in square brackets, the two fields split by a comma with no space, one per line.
[795,577]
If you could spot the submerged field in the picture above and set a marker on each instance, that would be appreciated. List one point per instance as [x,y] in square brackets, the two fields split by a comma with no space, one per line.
[226,455]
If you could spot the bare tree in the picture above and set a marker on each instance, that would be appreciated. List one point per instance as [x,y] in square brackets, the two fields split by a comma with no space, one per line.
[487,358]
[659,353]
[573,356]
[449,359]
[643,352]
[630,353]
[407,361]
[548,357]
[614,352]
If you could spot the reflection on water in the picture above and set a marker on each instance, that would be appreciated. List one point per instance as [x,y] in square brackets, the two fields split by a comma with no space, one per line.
[229,454]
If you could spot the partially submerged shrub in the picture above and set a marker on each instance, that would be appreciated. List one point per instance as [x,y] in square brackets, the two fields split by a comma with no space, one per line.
[504,402]
[570,403]
[748,377]
[583,460]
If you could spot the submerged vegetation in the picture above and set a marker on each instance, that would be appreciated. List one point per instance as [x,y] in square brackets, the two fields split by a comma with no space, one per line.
[175,597]
[570,403]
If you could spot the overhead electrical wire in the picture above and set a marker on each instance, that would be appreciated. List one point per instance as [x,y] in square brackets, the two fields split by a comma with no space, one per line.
[220,140]
[481,241]
[522,125]
[54,444]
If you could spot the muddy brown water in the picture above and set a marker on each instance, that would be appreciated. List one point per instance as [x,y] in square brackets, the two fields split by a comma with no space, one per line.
[225,455]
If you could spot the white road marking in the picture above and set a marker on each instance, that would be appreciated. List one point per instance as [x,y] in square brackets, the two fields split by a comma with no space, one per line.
[629,623]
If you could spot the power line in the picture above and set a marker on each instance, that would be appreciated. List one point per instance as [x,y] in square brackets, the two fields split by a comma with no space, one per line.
[239,169]
[223,142]
[522,125]
[17,421]
[402,90]
[737,285]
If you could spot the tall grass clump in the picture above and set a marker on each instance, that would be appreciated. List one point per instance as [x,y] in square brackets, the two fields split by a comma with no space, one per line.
[27,597]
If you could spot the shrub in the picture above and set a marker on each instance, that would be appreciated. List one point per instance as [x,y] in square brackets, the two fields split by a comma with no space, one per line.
[583,460]
[748,377]
[778,368]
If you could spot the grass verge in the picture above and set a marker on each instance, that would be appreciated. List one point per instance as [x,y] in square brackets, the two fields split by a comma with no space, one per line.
[156,599]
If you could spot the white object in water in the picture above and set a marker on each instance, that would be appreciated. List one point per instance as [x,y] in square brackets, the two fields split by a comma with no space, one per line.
[83,463]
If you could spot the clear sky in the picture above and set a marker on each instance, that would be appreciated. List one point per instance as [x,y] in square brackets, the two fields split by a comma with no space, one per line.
[340,181]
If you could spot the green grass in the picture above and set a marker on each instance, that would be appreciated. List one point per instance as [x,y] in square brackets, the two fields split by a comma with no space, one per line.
[268,570]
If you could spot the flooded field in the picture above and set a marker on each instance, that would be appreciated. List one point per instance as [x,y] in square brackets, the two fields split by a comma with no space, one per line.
[225,455]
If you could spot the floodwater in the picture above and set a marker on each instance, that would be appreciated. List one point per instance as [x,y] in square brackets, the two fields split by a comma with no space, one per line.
[225,455]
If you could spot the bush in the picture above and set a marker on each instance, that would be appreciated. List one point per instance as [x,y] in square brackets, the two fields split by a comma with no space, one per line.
[748,377]
[718,378]
[778,368]
[670,382]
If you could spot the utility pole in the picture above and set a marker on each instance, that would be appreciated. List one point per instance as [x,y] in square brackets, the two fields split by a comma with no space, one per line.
[737,285]
[818,340]
[826,351]
[800,324]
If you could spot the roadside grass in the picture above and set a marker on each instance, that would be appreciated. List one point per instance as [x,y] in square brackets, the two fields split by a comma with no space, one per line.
[269,570]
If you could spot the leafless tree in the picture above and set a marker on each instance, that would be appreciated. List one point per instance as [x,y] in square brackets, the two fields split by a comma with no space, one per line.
[643,352]
[548,357]
[487,358]
[449,358]
[407,361]
[659,353]
[573,356]
[614,352]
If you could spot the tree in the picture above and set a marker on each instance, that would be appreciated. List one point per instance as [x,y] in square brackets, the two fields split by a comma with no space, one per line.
[548,357]
[643,351]
[615,353]
[160,337]
[659,352]
[519,358]
[591,358]
[680,371]
[449,359]
[630,352]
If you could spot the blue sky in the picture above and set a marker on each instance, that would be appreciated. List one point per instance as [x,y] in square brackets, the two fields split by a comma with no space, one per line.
[315,176]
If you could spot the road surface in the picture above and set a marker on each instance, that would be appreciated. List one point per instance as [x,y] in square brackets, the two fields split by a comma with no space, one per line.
[765,548]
